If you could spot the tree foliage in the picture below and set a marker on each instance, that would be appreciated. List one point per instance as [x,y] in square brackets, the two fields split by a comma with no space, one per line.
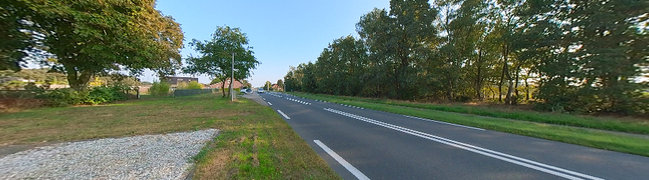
[586,56]
[88,38]
[216,56]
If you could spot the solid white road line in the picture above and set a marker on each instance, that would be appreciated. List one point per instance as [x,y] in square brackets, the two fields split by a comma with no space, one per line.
[282,113]
[442,122]
[568,174]
[342,161]
[269,103]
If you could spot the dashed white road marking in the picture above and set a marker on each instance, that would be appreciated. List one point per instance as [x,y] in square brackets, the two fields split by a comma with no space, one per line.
[282,113]
[442,122]
[269,103]
[342,161]
[568,174]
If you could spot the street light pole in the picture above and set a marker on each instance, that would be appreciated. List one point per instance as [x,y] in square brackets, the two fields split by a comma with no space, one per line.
[232,79]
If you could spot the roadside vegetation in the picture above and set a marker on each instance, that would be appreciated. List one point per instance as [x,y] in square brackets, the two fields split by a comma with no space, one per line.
[628,143]
[254,142]
[562,56]
[628,125]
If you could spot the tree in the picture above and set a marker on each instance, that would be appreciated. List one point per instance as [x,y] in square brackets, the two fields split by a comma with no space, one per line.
[280,83]
[216,56]
[124,35]
[246,83]
[268,86]
[15,35]
[399,39]
[215,81]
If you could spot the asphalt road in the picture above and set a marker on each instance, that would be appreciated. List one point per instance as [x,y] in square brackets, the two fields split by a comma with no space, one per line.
[366,144]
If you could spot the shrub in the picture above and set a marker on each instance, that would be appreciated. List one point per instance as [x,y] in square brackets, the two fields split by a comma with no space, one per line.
[63,97]
[94,96]
[159,89]
[99,95]
[194,85]
[190,85]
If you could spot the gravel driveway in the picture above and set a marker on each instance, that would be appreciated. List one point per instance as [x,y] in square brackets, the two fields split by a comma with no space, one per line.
[164,156]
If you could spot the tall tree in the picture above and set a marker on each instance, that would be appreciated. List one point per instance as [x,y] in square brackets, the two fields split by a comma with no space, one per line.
[16,38]
[216,56]
[280,84]
[96,37]
[401,38]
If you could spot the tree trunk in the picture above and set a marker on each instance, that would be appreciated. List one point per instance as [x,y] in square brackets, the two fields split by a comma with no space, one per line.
[527,87]
[505,73]
[478,84]
[502,78]
[508,99]
[223,87]
[518,70]
[78,80]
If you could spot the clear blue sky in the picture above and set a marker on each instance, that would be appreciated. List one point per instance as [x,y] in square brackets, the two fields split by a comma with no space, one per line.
[282,33]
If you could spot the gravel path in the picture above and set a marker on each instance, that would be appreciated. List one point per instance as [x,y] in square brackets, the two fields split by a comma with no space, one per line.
[140,157]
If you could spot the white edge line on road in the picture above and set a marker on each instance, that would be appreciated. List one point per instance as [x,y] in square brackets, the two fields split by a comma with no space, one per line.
[487,152]
[269,103]
[342,161]
[442,122]
[282,113]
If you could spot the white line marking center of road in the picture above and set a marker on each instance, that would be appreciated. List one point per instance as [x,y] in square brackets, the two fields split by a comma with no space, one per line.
[342,161]
[568,174]
[282,113]
[442,122]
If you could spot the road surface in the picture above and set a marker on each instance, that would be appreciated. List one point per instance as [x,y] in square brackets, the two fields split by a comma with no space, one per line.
[366,144]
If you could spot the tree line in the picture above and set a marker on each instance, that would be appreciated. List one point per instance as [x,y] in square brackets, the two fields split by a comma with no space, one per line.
[586,56]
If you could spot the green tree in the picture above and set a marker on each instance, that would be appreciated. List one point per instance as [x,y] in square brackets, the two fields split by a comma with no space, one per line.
[603,49]
[280,83]
[15,35]
[124,35]
[399,41]
[215,81]
[268,86]
[216,56]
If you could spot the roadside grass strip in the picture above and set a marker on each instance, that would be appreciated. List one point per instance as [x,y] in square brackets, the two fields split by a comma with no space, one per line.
[564,173]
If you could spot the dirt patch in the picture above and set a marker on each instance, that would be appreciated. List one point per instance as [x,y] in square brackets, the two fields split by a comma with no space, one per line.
[216,165]
[19,104]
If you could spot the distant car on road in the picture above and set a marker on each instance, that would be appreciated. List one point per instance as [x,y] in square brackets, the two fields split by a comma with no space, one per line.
[248,91]
[243,90]
[260,90]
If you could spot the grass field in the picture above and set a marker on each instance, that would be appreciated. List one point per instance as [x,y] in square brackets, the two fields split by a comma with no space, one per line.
[574,135]
[254,142]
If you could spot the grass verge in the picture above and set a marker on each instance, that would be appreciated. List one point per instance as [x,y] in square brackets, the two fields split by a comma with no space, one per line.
[580,136]
[611,124]
[254,142]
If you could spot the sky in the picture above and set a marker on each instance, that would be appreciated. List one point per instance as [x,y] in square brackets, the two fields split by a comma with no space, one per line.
[282,33]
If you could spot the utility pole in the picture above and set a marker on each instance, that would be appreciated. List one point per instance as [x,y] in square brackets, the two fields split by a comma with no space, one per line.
[232,79]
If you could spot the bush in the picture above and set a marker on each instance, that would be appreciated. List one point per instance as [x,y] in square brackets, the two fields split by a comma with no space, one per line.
[63,97]
[159,89]
[190,85]
[97,95]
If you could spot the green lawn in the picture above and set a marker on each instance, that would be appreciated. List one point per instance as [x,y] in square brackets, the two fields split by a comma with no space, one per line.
[254,142]
[581,136]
